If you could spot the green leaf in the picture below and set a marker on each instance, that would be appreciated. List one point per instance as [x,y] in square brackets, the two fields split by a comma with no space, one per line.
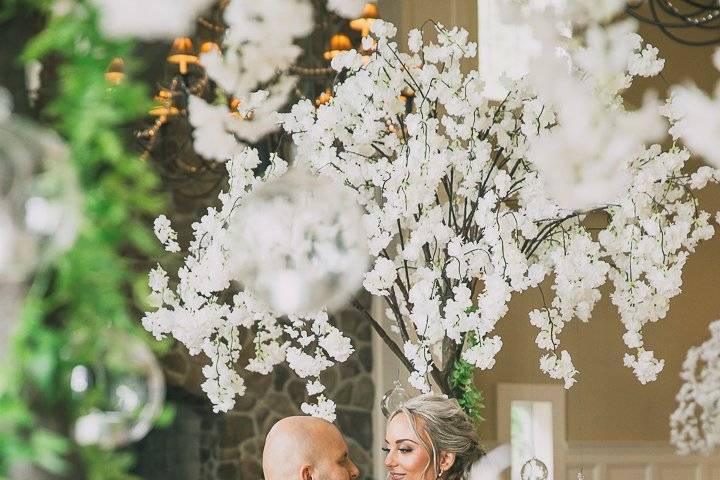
[167,416]
[462,384]
[60,34]
[108,465]
[50,449]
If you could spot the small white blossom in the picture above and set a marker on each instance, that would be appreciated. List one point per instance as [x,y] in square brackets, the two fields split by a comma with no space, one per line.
[381,277]
[306,365]
[165,233]
[645,365]
[324,409]
[315,387]
[560,368]
[483,354]
[415,40]
[336,345]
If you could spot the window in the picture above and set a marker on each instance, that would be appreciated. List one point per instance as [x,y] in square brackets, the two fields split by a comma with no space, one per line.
[531,420]
[531,434]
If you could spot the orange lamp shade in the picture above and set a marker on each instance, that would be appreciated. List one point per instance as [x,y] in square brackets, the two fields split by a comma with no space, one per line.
[164,111]
[367,17]
[207,47]
[182,54]
[116,71]
[338,43]
[164,96]
[164,107]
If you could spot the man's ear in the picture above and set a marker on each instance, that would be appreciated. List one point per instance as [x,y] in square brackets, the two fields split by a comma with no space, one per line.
[305,473]
[446,461]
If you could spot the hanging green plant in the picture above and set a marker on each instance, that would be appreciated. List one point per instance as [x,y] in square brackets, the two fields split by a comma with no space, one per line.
[100,282]
[469,397]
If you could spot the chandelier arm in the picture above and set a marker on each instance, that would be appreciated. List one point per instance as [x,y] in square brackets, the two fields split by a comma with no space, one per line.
[713,24]
[670,8]
[667,32]
[656,22]
[712,5]
[688,18]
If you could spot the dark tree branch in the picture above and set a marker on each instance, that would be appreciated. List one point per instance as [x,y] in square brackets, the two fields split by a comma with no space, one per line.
[392,345]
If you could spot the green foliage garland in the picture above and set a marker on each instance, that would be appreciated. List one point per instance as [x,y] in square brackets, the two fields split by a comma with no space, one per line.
[463,387]
[100,282]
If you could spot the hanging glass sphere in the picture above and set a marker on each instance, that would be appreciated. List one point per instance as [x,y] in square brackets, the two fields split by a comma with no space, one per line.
[40,201]
[119,394]
[298,244]
[534,469]
[393,399]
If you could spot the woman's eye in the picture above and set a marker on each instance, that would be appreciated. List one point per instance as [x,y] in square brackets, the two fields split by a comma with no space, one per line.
[405,450]
[385,449]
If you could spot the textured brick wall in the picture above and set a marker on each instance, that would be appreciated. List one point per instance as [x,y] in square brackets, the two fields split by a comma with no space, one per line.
[202,445]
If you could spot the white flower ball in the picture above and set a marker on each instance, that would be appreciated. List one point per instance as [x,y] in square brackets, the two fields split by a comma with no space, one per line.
[299,245]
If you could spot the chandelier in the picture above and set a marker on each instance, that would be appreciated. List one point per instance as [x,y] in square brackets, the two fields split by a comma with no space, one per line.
[690,22]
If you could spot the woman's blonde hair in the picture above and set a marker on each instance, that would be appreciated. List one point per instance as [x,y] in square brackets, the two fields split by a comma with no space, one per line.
[448,429]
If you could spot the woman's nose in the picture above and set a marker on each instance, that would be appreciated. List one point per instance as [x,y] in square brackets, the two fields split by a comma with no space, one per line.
[389,460]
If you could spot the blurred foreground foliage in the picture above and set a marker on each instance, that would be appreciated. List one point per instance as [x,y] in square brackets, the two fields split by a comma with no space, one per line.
[100,283]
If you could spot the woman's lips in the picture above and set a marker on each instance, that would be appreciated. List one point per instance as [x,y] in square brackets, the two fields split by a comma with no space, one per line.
[396,476]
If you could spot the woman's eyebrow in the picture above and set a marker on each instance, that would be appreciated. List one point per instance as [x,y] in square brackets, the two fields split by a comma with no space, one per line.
[406,440]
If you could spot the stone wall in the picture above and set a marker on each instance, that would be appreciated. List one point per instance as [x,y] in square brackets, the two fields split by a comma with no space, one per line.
[202,445]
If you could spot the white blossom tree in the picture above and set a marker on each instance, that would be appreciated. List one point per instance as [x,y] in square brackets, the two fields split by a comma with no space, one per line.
[466,203]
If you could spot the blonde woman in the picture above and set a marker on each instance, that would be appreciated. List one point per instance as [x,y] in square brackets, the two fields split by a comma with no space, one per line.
[430,437]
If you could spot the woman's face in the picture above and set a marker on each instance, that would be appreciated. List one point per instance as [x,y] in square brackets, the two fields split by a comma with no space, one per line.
[406,457]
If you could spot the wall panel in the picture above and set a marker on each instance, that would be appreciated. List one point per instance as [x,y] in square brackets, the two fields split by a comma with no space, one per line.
[638,461]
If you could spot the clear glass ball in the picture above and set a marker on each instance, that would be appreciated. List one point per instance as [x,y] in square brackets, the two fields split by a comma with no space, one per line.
[534,469]
[298,244]
[40,200]
[393,399]
[119,394]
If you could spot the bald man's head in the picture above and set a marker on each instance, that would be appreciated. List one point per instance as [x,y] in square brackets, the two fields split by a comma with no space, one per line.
[306,448]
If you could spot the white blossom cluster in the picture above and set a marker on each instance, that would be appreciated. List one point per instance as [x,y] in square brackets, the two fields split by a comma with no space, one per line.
[578,78]
[194,314]
[160,19]
[695,425]
[461,210]
[696,117]
[258,48]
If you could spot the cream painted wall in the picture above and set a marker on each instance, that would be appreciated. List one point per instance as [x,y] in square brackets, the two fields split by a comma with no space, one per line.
[607,404]
[409,14]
